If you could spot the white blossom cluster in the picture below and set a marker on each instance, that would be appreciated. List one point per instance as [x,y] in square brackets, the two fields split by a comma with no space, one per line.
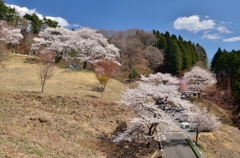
[89,45]
[152,123]
[10,34]
[203,120]
[198,78]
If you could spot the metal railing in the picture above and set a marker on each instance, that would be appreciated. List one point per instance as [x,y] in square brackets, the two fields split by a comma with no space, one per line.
[197,150]
[163,154]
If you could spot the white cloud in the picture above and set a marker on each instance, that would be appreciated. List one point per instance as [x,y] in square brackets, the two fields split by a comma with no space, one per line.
[232,39]
[62,22]
[23,10]
[75,25]
[193,23]
[211,36]
[223,29]
[207,17]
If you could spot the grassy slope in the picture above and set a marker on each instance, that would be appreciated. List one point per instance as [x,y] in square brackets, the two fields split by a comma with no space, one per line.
[70,119]
[65,121]
[18,76]
[223,142]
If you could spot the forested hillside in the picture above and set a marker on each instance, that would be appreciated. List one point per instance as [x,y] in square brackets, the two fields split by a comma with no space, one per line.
[146,52]
[226,66]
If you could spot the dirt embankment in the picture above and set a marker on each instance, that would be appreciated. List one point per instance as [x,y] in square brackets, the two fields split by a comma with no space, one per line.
[56,126]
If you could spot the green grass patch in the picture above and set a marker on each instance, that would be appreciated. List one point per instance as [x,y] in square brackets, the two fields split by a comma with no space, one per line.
[32,150]
[13,140]
[37,151]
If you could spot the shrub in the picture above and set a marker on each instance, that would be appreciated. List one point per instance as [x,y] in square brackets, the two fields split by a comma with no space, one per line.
[134,75]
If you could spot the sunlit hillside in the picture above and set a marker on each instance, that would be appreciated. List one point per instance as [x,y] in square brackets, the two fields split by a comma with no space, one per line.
[72,119]
[19,75]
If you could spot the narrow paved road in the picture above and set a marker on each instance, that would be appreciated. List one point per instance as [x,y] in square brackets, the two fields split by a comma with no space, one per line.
[175,146]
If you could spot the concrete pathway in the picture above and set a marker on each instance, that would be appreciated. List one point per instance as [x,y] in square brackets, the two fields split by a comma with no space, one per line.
[175,146]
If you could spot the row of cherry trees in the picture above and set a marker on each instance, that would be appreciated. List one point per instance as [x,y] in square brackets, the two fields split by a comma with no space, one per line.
[161,88]
[84,44]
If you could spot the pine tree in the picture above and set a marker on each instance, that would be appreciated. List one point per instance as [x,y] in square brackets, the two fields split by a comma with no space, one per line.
[172,58]
[186,64]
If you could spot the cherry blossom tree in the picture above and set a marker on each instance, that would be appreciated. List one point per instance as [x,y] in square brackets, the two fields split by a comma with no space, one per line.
[152,121]
[92,46]
[198,79]
[57,40]
[182,85]
[88,44]
[9,34]
[202,121]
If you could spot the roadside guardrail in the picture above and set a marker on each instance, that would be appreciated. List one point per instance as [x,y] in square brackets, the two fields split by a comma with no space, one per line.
[199,153]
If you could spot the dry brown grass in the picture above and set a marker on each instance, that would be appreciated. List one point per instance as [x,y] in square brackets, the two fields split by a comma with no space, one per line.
[69,120]
[18,76]
[53,126]
[223,143]
[72,120]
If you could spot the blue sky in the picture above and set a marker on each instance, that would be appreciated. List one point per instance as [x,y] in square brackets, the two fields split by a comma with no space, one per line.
[211,23]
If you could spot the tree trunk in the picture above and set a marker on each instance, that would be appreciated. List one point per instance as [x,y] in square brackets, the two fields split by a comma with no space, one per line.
[148,144]
[84,64]
[131,68]
[58,59]
[8,45]
[43,87]
[131,74]
[152,128]
[197,132]
[226,78]
[103,89]
[159,146]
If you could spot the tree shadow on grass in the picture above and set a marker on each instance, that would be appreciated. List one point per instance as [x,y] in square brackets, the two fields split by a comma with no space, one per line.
[91,96]
[97,88]
[175,142]
[125,149]
[31,92]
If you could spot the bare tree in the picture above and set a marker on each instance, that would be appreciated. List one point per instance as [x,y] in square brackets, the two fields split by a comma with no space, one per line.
[44,67]
[154,57]
[137,47]
[132,48]
[209,106]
